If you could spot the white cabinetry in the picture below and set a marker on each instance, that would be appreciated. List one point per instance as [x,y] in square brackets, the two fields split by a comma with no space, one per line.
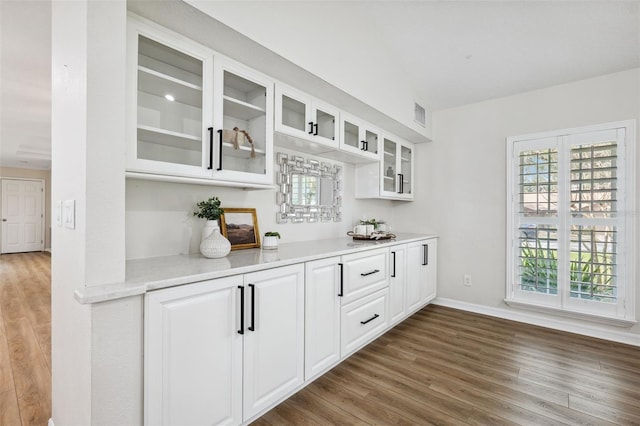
[359,138]
[193,354]
[307,119]
[364,273]
[421,273]
[322,316]
[219,352]
[274,336]
[182,97]
[391,178]
[362,321]
[397,282]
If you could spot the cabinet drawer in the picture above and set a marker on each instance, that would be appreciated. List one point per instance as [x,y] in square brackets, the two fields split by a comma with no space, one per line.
[362,321]
[364,273]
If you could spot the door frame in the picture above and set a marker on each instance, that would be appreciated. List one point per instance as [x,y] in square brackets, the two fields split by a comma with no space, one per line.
[44,207]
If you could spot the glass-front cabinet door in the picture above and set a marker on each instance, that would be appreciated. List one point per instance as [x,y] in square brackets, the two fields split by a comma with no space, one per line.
[241,141]
[306,118]
[170,80]
[358,137]
[396,170]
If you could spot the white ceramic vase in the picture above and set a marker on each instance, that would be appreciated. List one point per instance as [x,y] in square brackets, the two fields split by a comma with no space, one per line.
[269,242]
[215,245]
[208,229]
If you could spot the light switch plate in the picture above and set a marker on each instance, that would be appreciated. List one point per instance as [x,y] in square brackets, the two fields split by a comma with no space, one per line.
[69,214]
[59,213]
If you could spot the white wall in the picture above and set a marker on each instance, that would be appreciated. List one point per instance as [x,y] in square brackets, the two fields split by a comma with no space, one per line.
[461,177]
[45,175]
[160,221]
[88,89]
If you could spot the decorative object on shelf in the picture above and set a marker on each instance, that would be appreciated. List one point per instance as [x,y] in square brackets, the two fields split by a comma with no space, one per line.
[236,137]
[374,236]
[270,241]
[212,246]
[308,190]
[240,226]
[390,172]
[215,245]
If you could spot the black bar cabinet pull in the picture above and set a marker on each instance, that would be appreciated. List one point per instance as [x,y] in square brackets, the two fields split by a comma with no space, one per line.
[252,327]
[399,183]
[210,148]
[311,127]
[315,132]
[341,280]
[370,319]
[220,152]
[393,275]
[364,274]
[425,255]
[241,331]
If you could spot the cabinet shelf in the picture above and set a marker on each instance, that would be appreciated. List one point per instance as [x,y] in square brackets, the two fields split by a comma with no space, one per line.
[241,110]
[390,154]
[242,151]
[168,138]
[159,84]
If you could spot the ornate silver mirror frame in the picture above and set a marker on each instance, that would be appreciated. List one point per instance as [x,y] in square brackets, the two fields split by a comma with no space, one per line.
[308,190]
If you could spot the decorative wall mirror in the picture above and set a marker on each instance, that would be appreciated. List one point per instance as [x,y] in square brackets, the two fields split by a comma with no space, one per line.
[308,190]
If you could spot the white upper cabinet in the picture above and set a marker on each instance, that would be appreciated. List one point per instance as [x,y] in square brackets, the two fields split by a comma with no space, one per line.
[359,138]
[170,79]
[392,177]
[245,154]
[184,102]
[305,118]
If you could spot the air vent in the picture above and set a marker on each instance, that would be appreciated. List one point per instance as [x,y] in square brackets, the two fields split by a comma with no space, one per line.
[419,115]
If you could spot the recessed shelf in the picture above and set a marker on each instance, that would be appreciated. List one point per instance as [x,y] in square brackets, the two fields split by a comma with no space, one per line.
[241,110]
[405,159]
[166,137]
[390,154]
[243,151]
[159,84]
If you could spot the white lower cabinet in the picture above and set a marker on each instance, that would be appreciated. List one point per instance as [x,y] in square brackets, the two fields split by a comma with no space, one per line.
[220,351]
[193,354]
[223,351]
[322,316]
[421,273]
[397,282]
[274,336]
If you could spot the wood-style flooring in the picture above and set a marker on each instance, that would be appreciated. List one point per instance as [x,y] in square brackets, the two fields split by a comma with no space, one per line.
[25,339]
[448,367]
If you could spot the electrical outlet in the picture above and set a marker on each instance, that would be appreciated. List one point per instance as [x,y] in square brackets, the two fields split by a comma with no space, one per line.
[466,280]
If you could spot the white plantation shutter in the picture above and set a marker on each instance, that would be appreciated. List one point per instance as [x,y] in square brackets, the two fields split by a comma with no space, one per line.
[568,219]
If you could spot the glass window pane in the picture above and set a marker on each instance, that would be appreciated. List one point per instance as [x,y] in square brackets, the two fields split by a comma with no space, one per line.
[538,258]
[592,263]
[538,182]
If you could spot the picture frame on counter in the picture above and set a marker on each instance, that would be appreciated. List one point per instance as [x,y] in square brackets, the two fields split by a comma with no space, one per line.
[240,227]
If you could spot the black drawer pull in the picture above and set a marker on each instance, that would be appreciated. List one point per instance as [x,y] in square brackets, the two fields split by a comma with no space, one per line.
[341,294]
[370,319]
[252,327]
[369,273]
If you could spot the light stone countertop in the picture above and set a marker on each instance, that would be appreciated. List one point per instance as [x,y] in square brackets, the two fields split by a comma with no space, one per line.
[143,275]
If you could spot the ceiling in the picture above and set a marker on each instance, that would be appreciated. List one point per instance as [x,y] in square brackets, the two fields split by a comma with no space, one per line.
[450,53]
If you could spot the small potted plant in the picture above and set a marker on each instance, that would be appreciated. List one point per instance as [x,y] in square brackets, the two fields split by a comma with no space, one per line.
[270,240]
[212,243]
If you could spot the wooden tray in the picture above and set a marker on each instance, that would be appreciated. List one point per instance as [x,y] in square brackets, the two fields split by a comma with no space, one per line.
[378,237]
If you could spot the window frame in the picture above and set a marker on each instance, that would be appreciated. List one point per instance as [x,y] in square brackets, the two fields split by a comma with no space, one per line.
[623,311]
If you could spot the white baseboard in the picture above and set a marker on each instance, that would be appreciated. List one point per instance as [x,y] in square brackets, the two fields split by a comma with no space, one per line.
[543,321]
[50,422]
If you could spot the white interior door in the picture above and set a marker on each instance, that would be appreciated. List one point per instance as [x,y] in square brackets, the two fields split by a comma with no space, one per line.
[22,216]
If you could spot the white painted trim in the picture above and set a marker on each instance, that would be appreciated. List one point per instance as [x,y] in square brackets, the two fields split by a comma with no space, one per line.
[50,422]
[533,319]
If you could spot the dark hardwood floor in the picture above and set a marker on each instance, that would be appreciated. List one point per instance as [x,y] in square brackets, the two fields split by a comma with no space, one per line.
[449,367]
[25,339]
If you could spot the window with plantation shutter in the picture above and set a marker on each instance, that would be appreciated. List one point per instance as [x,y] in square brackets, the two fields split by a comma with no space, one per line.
[570,221]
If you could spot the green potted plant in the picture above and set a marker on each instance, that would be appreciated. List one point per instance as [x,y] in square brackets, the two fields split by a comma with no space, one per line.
[212,243]
[270,240]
